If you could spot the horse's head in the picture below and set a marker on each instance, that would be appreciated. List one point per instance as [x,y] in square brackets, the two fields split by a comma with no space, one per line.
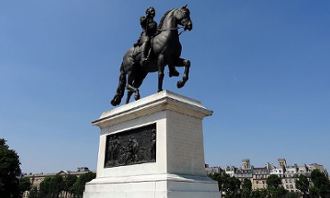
[183,17]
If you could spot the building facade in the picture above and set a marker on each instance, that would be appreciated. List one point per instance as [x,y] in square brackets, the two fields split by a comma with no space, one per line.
[258,175]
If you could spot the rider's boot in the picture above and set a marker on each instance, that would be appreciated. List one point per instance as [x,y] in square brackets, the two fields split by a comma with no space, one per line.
[144,58]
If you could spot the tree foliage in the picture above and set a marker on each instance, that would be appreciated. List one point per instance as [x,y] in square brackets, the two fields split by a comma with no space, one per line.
[246,188]
[24,185]
[259,193]
[230,186]
[221,178]
[274,187]
[69,181]
[79,185]
[302,184]
[273,181]
[62,186]
[9,171]
[34,193]
[51,186]
[321,184]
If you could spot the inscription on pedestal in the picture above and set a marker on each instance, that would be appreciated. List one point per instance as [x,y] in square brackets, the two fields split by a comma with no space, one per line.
[129,147]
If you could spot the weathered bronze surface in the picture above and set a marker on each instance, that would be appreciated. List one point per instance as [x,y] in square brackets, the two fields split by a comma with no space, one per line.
[156,48]
[131,147]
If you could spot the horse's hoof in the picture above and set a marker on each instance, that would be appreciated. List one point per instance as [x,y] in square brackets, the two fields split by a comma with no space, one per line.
[115,101]
[159,90]
[137,97]
[180,84]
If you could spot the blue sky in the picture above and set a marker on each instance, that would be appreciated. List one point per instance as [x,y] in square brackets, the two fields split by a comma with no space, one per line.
[261,66]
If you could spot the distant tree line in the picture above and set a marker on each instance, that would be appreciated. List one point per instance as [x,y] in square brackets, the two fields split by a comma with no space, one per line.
[231,187]
[68,186]
[13,185]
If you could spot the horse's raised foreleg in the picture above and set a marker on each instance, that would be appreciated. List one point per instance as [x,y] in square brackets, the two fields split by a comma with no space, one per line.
[160,64]
[186,64]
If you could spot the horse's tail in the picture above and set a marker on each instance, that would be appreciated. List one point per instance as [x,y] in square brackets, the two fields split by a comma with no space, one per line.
[121,87]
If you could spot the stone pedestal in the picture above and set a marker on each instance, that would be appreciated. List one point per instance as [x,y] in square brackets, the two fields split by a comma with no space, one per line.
[178,168]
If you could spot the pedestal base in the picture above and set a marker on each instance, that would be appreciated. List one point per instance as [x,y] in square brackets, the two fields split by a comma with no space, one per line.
[152,148]
[153,186]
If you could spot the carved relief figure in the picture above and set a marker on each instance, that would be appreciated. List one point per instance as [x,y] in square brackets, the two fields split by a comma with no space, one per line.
[113,151]
[133,149]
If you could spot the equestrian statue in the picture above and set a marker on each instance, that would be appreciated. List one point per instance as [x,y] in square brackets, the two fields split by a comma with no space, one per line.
[158,46]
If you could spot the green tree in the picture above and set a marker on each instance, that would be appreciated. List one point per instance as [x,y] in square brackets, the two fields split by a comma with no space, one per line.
[79,185]
[321,183]
[34,193]
[259,194]
[313,192]
[221,178]
[56,185]
[302,184]
[231,187]
[69,181]
[9,171]
[51,186]
[246,188]
[274,187]
[292,195]
[45,188]
[24,185]
[273,181]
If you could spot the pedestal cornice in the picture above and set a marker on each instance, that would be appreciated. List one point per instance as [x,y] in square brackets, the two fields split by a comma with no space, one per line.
[161,101]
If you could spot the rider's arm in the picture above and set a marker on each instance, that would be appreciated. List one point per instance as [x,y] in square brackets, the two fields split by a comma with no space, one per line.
[143,21]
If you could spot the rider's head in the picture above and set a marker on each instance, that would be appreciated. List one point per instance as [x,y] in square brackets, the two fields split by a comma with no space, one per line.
[150,12]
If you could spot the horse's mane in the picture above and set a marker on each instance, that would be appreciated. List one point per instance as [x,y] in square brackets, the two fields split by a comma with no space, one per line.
[163,18]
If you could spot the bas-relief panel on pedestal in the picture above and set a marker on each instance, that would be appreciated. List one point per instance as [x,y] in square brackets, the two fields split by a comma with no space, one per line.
[129,147]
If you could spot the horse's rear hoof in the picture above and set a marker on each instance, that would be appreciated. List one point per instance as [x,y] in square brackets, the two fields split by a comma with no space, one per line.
[115,101]
[180,84]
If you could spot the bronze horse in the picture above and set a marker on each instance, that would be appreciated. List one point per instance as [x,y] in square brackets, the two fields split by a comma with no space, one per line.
[166,50]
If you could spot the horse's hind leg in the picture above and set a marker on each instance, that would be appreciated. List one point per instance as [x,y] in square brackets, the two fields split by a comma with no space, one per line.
[129,86]
[186,64]
[129,94]
[137,83]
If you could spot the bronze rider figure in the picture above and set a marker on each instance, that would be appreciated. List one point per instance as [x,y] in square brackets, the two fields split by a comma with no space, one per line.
[149,26]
